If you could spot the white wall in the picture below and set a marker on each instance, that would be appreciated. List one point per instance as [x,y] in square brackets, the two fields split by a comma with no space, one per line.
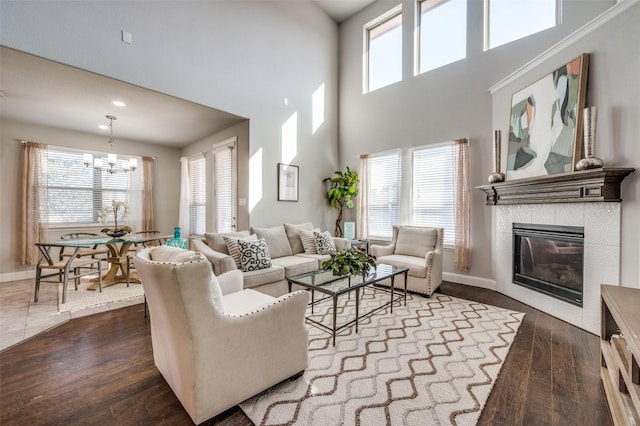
[241,57]
[446,103]
[614,88]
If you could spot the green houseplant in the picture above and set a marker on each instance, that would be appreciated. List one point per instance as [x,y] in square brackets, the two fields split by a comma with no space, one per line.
[343,189]
[351,261]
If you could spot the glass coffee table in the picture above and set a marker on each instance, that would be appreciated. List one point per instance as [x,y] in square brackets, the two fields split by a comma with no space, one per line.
[334,286]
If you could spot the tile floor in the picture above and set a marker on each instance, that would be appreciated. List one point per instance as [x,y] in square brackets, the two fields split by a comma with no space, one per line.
[21,318]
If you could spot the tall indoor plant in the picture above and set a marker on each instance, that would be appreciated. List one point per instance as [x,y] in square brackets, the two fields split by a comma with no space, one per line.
[343,189]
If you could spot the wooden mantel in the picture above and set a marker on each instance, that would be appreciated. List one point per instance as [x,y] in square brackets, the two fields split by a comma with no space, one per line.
[598,185]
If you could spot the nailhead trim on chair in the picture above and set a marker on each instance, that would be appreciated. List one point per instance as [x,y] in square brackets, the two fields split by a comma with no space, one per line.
[275,302]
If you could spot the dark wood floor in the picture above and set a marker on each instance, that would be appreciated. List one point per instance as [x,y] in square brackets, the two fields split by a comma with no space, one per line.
[99,370]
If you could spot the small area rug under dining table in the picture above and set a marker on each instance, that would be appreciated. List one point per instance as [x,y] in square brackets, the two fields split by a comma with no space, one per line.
[431,362]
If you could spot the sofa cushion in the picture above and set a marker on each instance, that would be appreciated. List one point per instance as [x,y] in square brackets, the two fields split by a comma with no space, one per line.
[234,249]
[257,278]
[317,257]
[294,236]
[216,240]
[245,301]
[415,241]
[276,239]
[417,265]
[324,242]
[174,255]
[254,255]
[308,240]
[296,265]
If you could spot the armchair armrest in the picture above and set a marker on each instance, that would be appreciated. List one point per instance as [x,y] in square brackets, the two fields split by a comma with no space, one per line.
[378,251]
[221,262]
[341,243]
[434,266]
[230,282]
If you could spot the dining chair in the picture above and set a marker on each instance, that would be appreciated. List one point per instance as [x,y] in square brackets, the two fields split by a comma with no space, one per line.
[93,251]
[71,268]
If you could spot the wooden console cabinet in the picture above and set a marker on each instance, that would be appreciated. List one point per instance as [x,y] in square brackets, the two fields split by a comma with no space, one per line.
[620,352]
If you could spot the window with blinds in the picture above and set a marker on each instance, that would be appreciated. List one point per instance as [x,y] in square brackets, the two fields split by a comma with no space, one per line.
[77,193]
[198,185]
[224,187]
[433,189]
[429,171]
[383,192]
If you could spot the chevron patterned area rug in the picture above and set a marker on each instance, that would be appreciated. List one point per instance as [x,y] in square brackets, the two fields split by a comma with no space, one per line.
[433,362]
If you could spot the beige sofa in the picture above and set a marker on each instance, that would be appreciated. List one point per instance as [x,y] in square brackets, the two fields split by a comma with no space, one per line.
[213,342]
[420,250]
[288,255]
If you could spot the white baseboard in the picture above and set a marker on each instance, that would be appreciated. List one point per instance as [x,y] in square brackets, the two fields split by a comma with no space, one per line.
[15,276]
[469,280]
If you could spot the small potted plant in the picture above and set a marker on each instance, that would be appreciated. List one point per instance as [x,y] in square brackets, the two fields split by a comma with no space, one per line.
[351,261]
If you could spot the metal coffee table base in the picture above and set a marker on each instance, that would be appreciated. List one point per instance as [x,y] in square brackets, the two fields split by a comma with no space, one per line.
[332,295]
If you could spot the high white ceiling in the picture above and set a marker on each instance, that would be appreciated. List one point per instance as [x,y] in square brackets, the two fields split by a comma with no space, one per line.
[340,10]
[39,91]
[43,92]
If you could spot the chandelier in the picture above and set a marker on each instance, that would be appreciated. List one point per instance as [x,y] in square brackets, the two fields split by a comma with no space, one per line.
[127,165]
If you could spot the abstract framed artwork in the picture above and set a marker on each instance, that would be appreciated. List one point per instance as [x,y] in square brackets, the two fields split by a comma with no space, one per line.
[287,182]
[545,125]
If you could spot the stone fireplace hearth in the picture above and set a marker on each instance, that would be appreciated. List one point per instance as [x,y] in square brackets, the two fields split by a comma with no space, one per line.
[589,199]
[601,222]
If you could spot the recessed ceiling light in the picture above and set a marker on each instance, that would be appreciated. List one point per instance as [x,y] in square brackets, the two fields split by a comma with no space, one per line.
[119,104]
[103,126]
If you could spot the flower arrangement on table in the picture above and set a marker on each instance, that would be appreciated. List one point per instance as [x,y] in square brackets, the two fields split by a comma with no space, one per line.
[117,208]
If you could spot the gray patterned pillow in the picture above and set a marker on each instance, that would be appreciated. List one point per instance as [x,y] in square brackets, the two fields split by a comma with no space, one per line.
[324,242]
[254,255]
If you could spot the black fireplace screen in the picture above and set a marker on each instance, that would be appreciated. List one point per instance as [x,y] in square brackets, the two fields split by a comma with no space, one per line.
[549,259]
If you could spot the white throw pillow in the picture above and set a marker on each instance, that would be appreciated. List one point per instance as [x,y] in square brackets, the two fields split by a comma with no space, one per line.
[308,240]
[232,246]
[174,255]
[324,242]
[254,255]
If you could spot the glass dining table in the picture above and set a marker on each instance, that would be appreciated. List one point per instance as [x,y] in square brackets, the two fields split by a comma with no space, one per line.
[118,251]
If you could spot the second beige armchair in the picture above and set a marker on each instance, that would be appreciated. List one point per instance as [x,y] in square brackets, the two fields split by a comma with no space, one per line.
[420,250]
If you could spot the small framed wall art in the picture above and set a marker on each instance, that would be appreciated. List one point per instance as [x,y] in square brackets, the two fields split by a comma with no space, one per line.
[545,125]
[287,182]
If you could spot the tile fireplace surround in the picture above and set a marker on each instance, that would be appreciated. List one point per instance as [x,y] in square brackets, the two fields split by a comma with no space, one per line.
[601,222]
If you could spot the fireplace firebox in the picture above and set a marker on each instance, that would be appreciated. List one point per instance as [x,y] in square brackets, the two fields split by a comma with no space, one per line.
[549,259]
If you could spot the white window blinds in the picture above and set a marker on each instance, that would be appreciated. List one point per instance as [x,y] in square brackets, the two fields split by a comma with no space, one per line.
[77,193]
[433,189]
[412,186]
[198,184]
[224,187]
[383,192]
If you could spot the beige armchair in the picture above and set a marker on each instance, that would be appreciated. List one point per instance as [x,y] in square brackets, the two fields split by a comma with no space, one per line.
[420,250]
[213,342]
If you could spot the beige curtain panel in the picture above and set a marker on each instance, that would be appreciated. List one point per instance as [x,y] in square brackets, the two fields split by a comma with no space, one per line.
[148,195]
[362,214]
[34,201]
[462,244]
